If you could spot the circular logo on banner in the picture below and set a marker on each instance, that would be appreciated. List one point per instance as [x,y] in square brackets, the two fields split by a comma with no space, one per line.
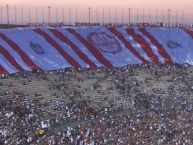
[104,42]
[173,44]
[37,48]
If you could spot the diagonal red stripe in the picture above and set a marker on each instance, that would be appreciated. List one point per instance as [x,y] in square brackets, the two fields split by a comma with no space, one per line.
[160,48]
[9,57]
[3,70]
[91,48]
[147,49]
[64,39]
[58,48]
[189,32]
[22,54]
[127,44]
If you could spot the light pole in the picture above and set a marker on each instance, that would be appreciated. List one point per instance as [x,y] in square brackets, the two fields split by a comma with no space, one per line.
[1,15]
[115,15]
[176,16]
[150,16]
[162,16]
[89,12]
[7,14]
[182,17]
[76,15]
[169,13]
[129,15]
[43,15]
[56,14]
[137,15]
[109,15]
[15,15]
[70,16]
[156,16]
[22,15]
[63,15]
[49,14]
[103,16]
[96,15]
[122,16]
[36,15]
[143,16]
[29,14]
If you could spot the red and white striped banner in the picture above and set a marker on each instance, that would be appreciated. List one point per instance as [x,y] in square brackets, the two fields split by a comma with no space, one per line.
[49,49]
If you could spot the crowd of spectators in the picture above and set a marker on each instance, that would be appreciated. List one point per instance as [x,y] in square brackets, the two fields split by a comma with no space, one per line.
[133,105]
[153,24]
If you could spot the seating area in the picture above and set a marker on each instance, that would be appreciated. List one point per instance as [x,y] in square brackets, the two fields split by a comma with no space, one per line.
[135,104]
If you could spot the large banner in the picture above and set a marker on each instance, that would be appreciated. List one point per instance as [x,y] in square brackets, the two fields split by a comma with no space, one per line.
[89,47]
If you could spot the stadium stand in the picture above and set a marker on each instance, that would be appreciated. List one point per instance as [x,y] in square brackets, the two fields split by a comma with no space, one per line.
[96,85]
[136,104]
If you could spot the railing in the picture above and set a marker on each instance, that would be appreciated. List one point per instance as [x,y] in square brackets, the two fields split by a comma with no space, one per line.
[165,25]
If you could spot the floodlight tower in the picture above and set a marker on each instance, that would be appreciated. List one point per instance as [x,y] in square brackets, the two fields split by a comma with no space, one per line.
[43,15]
[150,16]
[1,15]
[89,13]
[103,16]
[96,15]
[169,16]
[63,15]
[15,15]
[129,15]
[76,15]
[156,17]
[7,14]
[70,16]
[176,16]
[109,15]
[29,14]
[122,17]
[182,17]
[49,14]
[22,15]
[36,15]
[56,14]
[137,15]
[162,15]
[143,16]
[115,15]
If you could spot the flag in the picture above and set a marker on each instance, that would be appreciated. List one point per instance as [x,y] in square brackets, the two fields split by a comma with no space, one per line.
[28,49]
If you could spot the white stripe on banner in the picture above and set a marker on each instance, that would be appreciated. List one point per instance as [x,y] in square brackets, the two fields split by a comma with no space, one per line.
[15,55]
[40,52]
[81,46]
[153,47]
[175,41]
[67,48]
[137,46]
[110,47]
[5,63]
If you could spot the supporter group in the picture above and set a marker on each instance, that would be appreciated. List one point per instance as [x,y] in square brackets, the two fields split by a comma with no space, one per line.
[142,104]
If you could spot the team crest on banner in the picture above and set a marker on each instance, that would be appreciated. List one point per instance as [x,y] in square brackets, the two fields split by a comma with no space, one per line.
[37,48]
[173,44]
[104,42]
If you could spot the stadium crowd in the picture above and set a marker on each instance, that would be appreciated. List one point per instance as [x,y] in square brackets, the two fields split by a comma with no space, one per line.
[133,105]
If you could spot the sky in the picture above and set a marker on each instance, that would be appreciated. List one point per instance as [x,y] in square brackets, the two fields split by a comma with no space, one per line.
[183,7]
[174,4]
